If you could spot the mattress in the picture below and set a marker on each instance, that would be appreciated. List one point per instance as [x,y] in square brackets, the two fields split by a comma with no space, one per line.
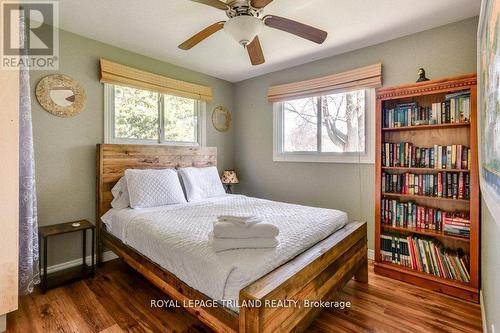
[178,238]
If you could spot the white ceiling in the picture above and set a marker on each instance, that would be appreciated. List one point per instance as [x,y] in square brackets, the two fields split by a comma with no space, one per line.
[155,27]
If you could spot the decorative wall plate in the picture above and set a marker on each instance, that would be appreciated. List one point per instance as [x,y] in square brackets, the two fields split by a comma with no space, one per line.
[60,95]
[221,118]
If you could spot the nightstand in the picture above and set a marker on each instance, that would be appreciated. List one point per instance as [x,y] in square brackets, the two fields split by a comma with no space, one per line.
[72,273]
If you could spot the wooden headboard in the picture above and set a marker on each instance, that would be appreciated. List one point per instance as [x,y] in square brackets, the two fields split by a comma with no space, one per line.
[114,159]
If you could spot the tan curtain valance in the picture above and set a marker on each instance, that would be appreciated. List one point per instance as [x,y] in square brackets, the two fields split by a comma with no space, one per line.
[114,73]
[364,77]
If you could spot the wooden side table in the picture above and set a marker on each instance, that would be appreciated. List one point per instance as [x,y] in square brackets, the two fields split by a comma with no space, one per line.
[72,273]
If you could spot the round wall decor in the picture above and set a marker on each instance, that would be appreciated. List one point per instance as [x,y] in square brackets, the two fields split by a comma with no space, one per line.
[221,118]
[60,95]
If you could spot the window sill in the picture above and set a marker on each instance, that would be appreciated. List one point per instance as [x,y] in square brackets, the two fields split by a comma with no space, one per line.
[313,158]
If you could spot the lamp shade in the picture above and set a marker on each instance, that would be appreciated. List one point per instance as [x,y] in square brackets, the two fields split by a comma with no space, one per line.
[229,177]
[243,28]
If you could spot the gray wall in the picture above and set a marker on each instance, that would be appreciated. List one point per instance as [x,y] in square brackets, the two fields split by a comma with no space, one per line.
[490,267]
[65,148]
[444,51]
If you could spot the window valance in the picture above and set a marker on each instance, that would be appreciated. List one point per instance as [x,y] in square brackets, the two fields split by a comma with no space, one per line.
[119,74]
[364,77]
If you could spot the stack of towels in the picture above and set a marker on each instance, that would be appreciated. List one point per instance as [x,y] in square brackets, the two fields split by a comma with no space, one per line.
[243,232]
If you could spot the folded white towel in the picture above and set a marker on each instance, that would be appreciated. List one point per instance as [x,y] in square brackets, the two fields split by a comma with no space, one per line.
[231,230]
[225,244]
[244,220]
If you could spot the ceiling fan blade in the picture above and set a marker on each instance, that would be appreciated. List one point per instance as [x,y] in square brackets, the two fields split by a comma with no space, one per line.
[213,3]
[255,52]
[296,28]
[202,35]
[260,3]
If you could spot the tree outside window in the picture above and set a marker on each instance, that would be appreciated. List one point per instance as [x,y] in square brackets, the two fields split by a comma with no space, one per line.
[331,123]
[141,115]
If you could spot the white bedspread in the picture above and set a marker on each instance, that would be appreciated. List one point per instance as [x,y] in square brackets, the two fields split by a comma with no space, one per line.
[177,238]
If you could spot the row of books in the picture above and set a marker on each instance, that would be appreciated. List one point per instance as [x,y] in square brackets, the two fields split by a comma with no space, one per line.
[411,215]
[425,255]
[459,107]
[453,185]
[406,114]
[406,154]
[455,109]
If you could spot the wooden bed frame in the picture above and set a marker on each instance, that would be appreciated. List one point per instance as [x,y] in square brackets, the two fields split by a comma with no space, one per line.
[318,273]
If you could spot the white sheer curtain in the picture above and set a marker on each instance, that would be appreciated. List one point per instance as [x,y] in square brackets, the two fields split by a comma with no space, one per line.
[29,274]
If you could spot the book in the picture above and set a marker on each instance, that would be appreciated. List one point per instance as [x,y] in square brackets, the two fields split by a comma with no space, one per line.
[457,224]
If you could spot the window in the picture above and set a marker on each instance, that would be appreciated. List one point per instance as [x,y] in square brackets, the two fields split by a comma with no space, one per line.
[140,116]
[337,127]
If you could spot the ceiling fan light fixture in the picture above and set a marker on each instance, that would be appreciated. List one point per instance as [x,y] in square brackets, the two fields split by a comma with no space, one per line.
[243,28]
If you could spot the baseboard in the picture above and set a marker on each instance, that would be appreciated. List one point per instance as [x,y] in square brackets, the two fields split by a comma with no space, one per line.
[483,312]
[106,256]
[371,254]
[3,323]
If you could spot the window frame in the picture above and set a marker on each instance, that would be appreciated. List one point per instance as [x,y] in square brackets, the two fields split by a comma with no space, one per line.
[368,157]
[109,124]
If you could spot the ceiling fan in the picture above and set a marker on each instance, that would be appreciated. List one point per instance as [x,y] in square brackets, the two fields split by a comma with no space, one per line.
[246,21]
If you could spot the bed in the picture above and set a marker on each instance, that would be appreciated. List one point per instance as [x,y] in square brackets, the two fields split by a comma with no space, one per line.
[329,255]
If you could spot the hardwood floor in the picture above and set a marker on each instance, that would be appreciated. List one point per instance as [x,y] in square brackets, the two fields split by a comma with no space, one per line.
[118,300]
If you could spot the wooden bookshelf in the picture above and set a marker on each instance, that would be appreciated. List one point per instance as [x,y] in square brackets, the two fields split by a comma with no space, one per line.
[426,93]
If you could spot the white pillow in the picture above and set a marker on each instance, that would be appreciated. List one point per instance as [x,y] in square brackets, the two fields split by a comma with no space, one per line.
[201,183]
[152,188]
[120,194]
